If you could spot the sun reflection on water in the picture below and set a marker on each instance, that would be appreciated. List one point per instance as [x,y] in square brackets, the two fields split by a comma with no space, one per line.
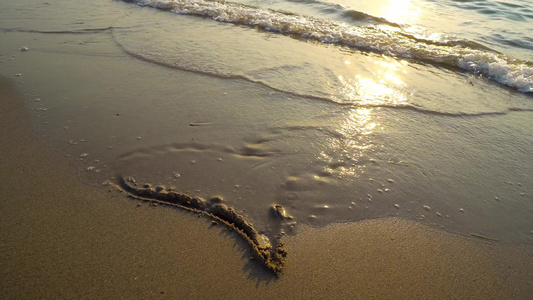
[385,89]
[401,11]
[345,156]
[353,140]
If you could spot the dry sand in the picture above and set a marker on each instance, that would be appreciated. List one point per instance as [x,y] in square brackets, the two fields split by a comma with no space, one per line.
[60,238]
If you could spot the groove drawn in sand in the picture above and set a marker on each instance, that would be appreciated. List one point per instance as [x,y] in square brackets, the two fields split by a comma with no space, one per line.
[270,256]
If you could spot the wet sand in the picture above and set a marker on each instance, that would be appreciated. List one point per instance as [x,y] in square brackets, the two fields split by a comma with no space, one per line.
[62,239]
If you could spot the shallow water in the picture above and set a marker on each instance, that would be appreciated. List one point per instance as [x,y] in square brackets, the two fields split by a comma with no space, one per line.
[339,111]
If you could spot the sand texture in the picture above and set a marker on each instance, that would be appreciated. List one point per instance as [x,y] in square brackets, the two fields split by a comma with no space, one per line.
[62,239]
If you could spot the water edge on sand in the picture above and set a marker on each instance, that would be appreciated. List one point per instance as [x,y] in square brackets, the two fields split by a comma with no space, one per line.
[61,238]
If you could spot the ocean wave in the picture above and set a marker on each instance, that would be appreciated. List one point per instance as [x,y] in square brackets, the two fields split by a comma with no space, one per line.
[463,55]
[361,16]
[497,10]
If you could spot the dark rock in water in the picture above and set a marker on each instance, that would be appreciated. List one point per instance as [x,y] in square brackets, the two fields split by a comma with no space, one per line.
[278,211]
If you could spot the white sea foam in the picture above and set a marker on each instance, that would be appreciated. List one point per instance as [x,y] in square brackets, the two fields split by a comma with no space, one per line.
[517,75]
[505,70]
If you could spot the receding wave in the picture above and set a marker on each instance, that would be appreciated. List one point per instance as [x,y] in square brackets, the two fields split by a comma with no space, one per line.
[500,68]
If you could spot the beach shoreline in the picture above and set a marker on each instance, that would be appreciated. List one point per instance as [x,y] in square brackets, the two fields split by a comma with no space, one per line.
[445,155]
[64,239]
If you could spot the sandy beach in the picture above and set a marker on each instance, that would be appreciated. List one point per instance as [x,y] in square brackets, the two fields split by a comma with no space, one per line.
[404,179]
[62,239]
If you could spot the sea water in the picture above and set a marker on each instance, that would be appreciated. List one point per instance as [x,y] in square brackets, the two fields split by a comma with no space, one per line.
[337,110]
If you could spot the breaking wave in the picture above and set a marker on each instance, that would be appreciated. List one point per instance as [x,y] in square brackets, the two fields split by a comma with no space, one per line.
[462,55]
